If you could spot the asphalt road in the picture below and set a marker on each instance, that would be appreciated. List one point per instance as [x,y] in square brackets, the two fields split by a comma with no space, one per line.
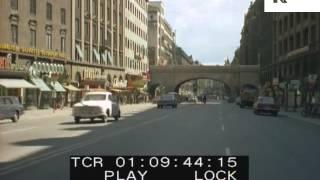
[278,147]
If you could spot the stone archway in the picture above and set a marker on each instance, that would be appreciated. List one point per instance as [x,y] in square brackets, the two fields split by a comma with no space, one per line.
[227,87]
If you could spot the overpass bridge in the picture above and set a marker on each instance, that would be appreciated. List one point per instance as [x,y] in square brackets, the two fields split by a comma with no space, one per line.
[234,77]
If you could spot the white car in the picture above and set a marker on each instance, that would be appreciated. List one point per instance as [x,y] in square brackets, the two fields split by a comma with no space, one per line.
[96,105]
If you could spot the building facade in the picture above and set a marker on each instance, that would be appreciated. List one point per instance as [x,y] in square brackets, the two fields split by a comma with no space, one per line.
[97,44]
[35,46]
[256,36]
[295,66]
[136,37]
[161,39]
[182,58]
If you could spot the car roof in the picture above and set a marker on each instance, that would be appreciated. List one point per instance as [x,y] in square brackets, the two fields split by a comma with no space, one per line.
[102,93]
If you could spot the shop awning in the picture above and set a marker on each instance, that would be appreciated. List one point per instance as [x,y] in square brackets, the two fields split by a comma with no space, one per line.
[104,58]
[71,88]
[119,90]
[79,51]
[16,83]
[57,87]
[96,54]
[40,84]
[110,60]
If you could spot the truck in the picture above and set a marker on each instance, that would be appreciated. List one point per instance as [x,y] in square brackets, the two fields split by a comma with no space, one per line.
[248,97]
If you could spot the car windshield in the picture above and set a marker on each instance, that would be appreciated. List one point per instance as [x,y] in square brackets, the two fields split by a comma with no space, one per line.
[266,100]
[167,97]
[95,97]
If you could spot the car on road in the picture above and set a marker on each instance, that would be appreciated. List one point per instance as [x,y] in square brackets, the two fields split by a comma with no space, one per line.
[167,100]
[97,105]
[266,105]
[10,108]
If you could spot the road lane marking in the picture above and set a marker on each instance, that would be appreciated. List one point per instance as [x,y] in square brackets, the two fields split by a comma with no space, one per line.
[43,157]
[17,130]
[228,151]
[222,128]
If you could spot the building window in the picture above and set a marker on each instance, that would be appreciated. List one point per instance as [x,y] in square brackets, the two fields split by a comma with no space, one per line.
[78,28]
[88,5]
[63,16]
[102,11]
[14,33]
[14,4]
[298,18]
[49,11]
[33,7]
[95,33]
[305,37]
[94,7]
[102,36]
[33,39]
[86,53]
[49,41]
[298,40]
[86,31]
[291,43]
[63,44]
[313,33]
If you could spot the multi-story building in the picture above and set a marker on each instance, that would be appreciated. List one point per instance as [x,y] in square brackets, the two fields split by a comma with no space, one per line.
[256,36]
[296,47]
[35,45]
[181,57]
[136,37]
[161,39]
[97,44]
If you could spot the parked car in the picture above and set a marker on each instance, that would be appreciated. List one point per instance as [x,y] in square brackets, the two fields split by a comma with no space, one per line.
[266,105]
[238,100]
[10,108]
[97,105]
[167,100]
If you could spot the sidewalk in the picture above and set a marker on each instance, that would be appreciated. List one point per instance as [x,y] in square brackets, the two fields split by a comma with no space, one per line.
[297,116]
[43,113]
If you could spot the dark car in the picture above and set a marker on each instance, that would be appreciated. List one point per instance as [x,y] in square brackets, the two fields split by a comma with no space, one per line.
[231,99]
[167,100]
[266,105]
[10,108]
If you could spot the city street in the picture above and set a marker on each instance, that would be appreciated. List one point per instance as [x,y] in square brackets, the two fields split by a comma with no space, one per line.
[278,147]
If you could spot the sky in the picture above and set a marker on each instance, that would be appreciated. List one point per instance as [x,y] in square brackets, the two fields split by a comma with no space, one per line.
[207,29]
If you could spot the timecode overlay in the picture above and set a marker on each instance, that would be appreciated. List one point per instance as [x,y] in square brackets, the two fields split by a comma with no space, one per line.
[159,167]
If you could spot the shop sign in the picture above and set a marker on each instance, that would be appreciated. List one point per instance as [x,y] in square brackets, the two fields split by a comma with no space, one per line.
[275,81]
[32,51]
[48,68]
[6,64]
[120,84]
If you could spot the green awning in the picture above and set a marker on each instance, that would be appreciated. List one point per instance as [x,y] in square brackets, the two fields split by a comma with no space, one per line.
[41,84]
[57,86]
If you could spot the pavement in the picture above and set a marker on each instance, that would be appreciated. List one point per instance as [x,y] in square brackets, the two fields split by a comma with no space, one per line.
[278,147]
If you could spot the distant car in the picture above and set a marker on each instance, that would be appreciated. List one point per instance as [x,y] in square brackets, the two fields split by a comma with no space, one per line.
[97,105]
[167,100]
[266,105]
[10,108]
[238,100]
[231,99]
